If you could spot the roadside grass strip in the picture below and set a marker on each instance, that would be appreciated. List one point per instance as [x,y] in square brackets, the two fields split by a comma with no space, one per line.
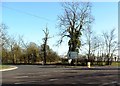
[116,64]
[7,67]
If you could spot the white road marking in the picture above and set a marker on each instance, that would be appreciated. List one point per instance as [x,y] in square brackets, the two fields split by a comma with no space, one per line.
[53,79]
[13,68]
[26,82]
[21,77]
[17,83]
[111,83]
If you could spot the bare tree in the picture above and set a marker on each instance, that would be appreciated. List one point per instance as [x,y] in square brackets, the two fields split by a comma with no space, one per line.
[3,39]
[3,35]
[89,36]
[91,44]
[16,53]
[24,49]
[111,44]
[45,39]
[12,42]
[76,17]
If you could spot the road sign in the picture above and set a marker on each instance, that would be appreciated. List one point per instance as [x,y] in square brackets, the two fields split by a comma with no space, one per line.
[72,55]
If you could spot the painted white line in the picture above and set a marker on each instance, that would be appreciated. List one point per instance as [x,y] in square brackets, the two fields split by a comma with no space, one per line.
[114,83]
[13,68]
[53,79]
[17,83]
[25,82]
[21,77]
[74,83]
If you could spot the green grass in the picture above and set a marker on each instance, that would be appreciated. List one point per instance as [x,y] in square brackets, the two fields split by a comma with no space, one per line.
[4,67]
[115,63]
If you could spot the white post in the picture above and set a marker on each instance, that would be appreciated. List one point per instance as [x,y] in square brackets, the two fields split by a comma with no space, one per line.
[88,64]
[42,63]
[69,61]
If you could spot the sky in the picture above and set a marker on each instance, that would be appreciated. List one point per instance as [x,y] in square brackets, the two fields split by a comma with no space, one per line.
[119,28]
[30,18]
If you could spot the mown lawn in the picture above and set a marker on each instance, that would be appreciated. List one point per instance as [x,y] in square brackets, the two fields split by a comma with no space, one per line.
[115,63]
[4,67]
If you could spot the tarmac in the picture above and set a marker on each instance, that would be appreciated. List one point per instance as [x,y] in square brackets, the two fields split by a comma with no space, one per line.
[50,75]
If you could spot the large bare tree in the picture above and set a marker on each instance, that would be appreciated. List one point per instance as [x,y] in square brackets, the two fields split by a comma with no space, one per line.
[77,16]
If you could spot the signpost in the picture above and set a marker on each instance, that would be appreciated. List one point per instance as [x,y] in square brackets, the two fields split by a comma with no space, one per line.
[72,55]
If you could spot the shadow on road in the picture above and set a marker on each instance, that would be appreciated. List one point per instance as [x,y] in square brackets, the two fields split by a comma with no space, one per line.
[108,84]
[97,68]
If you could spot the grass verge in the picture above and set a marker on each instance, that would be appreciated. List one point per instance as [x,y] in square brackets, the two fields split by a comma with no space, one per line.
[115,63]
[4,67]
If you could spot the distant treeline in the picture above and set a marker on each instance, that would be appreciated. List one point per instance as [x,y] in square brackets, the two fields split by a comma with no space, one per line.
[16,51]
[31,54]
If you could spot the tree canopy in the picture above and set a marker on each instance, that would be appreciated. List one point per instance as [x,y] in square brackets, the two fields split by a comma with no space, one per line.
[77,16]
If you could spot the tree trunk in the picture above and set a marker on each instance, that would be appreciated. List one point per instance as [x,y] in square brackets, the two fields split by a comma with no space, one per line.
[44,59]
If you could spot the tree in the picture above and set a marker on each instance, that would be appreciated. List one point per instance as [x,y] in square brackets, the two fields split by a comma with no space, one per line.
[3,40]
[76,17]
[11,44]
[4,55]
[32,51]
[111,44]
[89,39]
[52,56]
[24,49]
[91,43]
[99,49]
[45,39]
[3,35]
[17,53]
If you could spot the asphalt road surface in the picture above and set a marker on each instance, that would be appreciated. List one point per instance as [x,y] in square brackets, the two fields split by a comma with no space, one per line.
[50,75]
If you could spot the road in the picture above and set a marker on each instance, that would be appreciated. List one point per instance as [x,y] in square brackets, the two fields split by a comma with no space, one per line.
[49,75]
